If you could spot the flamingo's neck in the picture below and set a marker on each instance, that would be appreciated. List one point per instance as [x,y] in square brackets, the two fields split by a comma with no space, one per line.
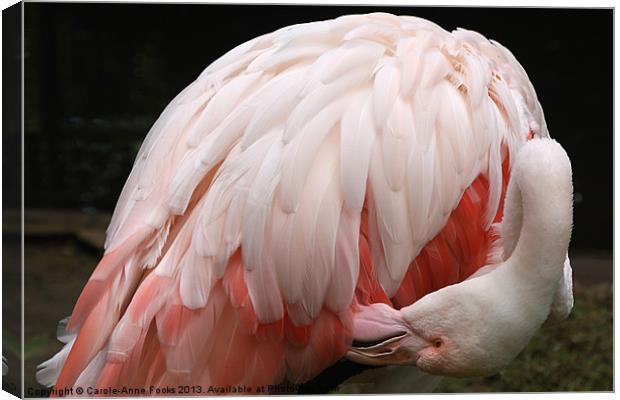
[538,219]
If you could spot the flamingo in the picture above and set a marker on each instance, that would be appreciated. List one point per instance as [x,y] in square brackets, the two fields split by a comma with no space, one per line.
[371,187]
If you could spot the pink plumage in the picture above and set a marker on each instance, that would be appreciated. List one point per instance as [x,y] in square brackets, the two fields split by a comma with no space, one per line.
[304,176]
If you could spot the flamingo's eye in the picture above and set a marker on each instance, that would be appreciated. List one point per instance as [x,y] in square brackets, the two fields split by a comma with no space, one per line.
[437,343]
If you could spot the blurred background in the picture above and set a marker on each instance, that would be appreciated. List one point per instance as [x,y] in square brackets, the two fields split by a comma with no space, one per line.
[98,75]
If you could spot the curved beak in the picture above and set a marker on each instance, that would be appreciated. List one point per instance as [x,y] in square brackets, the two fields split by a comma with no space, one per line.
[388,352]
[382,337]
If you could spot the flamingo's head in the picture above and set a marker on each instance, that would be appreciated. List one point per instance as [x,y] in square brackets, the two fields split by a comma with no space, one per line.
[451,332]
[473,328]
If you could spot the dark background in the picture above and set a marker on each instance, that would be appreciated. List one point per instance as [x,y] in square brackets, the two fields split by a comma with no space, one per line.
[98,75]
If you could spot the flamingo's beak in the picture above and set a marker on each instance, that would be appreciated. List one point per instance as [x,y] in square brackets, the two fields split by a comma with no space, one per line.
[382,337]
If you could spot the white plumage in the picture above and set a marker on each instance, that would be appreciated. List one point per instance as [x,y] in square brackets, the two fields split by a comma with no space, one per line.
[322,100]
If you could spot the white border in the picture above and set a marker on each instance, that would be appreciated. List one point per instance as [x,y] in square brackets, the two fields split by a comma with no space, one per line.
[462,3]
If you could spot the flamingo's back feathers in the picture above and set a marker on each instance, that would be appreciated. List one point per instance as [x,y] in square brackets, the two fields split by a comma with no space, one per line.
[309,170]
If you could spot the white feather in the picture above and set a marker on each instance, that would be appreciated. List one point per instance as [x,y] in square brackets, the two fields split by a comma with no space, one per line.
[506,103]
[289,281]
[197,278]
[339,62]
[321,97]
[344,280]
[314,233]
[494,172]
[225,100]
[385,92]
[394,230]
[226,135]
[455,122]
[357,136]
[260,202]
[264,291]
[61,331]
[421,177]
[299,153]
[384,34]
[396,142]
[48,371]
[409,54]
[277,101]
[279,59]
[447,187]
[478,77]
[426,104]
[351,55]
[435,68]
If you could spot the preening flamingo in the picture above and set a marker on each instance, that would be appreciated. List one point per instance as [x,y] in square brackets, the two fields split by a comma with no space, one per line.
[371,187]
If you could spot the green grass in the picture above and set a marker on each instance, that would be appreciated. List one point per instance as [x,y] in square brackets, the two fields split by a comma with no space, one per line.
[575,355]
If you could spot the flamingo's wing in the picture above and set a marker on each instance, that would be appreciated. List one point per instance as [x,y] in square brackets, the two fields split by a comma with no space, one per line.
[234,254]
